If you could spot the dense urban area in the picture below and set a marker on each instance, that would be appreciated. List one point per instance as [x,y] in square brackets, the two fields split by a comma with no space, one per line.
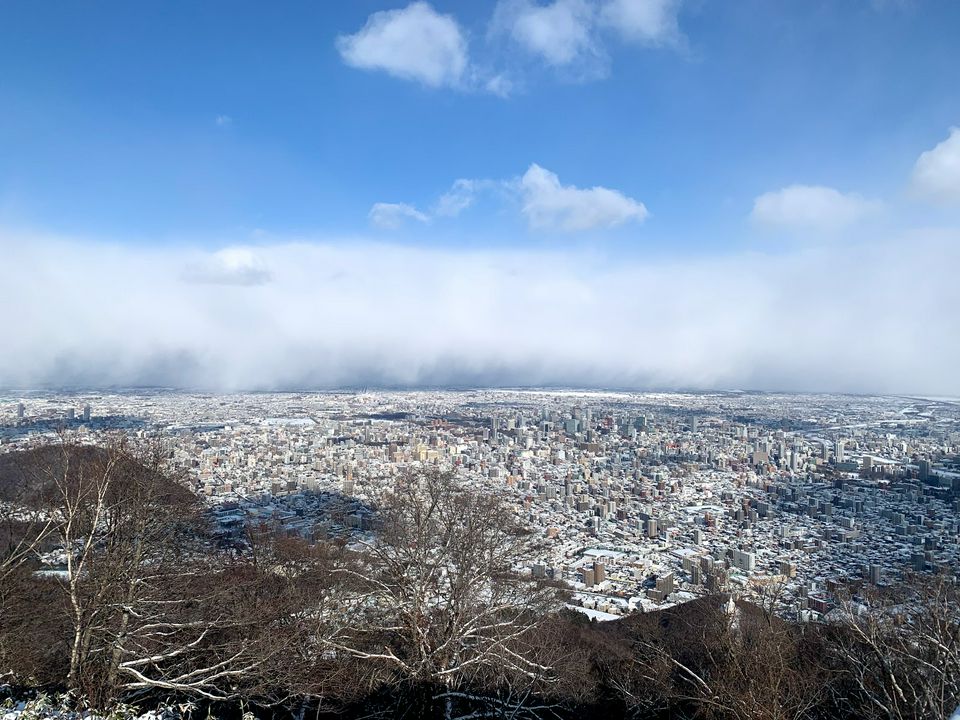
[642,500]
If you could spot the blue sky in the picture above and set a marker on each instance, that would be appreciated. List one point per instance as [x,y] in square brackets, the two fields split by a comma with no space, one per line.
[110,116]
[600,131]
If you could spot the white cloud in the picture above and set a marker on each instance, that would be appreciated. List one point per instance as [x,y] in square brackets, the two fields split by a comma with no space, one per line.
[499,85]
[223,120]
[230,266]
[560,32]
[391,216]
[549,205]
[936,174]
[420,44]
[458,198]
[359,313]
[546,204]
[811,208]
[413,43]
[652,22]
[569,34]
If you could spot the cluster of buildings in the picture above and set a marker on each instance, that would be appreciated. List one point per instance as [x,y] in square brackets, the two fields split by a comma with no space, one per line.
[641,499]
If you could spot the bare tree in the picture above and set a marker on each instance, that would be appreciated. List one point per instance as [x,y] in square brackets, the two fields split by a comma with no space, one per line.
[280,595]
[25,529]
[901,648]
[434,602]
[717,658]
[24,526]
[134,565]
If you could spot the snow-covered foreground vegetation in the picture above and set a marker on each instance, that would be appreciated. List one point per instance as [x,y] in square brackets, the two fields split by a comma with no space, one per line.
[43,706]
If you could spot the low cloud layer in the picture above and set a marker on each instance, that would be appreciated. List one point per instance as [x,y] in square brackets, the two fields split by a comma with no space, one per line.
[325,314]
[804,208]
[230,266]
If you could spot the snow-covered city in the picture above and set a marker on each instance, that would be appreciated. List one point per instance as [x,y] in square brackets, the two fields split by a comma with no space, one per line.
[643,500]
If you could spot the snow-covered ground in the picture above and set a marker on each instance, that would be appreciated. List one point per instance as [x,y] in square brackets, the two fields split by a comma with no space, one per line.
[62,707]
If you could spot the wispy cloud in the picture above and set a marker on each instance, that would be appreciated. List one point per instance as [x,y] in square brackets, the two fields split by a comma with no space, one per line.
[544,202]
[459,197]
[648,22]
[560,32]
[574,35]
[390,216]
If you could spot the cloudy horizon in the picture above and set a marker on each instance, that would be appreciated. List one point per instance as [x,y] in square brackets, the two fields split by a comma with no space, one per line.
[324,314]
[648,194]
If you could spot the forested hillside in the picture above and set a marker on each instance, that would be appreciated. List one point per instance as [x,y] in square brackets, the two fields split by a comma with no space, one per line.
[114,588]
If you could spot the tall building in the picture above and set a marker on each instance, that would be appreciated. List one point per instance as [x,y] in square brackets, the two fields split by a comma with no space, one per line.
[717,579]
[20,411]
[787,568]
[589,577]
[744,560]
[599,571]
[839,450]
[663,588]
[86,413]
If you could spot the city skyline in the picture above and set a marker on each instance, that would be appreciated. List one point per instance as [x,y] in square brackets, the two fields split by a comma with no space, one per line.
[647,194]
[749,488]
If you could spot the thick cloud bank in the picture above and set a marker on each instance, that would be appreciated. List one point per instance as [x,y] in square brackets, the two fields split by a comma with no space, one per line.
[883,317]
